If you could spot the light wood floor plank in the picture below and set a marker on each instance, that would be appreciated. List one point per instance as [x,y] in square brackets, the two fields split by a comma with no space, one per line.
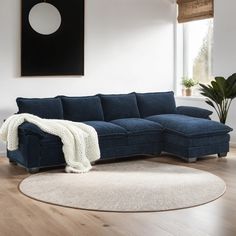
[20,215]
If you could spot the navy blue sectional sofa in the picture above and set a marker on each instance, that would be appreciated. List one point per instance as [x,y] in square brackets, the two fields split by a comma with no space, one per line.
[127,125]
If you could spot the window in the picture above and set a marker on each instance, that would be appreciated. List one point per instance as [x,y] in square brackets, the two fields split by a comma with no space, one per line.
[196,38]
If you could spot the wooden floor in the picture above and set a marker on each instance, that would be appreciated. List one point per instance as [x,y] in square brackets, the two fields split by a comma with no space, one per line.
[20,215]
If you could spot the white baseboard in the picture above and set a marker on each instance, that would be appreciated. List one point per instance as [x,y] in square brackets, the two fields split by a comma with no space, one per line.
[3,154]
[233,144]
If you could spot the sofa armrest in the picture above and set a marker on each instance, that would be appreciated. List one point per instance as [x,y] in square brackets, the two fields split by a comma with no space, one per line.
[194,112]
[29,151]
[30,129]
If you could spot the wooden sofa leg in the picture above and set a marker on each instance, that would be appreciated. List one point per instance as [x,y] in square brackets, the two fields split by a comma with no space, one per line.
[33,170]
[222,154]
[192,160]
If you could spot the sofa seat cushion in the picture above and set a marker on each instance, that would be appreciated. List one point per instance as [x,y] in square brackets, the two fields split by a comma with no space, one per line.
[141,131]
[80,109]
[106,128]
[138,126]
[48,108]
[156,103]
[119,106]
[110,136]
[190,126]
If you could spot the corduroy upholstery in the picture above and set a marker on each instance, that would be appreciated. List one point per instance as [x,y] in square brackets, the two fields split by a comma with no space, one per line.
[190,126]
[49,108]
[119,106]
[194,112]
[156,103]
[126,124]
[81,109]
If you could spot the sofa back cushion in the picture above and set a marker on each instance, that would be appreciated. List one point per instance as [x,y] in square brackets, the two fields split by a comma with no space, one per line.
[49,108]
[81,109]
[158,103]
[119,106]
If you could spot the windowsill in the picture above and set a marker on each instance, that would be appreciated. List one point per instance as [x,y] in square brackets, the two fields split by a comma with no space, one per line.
[194,98]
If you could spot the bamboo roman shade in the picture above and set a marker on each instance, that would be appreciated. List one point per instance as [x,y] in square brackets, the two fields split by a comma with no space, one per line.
[190,10]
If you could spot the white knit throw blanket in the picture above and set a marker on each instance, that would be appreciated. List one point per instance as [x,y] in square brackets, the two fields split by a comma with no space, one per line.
[80,141]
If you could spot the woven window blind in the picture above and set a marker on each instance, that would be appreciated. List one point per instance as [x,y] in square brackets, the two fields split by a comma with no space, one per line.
[190,10]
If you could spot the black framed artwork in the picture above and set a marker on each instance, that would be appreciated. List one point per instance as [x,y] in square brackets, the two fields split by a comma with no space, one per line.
[52,51]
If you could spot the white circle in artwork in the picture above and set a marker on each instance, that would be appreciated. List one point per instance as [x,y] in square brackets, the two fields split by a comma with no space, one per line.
[44,18]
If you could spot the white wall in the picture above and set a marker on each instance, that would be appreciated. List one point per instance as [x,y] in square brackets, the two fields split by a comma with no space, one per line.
[224,37]
[128,47]
[225,48]
[224,56]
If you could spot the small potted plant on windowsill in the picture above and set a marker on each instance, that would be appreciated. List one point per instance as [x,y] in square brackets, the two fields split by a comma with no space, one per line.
[188,83]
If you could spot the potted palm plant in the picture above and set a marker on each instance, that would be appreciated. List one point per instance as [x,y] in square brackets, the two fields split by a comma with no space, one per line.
[188,83]
[220,94]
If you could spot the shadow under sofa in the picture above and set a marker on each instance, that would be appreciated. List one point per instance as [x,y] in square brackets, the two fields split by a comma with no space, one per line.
[127,125]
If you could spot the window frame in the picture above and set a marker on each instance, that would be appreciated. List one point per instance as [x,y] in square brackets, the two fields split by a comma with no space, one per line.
[181,66]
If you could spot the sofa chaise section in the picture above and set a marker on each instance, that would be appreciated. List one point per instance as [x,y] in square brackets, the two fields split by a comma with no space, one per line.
[191,137]
[188,131]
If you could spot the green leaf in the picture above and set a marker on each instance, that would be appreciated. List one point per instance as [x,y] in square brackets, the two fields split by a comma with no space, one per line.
[210,103]
[211,92]
[217,92]
[221,85]
[231,87]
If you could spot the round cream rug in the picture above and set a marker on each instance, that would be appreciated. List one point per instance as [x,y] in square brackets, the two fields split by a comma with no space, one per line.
[126,187]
